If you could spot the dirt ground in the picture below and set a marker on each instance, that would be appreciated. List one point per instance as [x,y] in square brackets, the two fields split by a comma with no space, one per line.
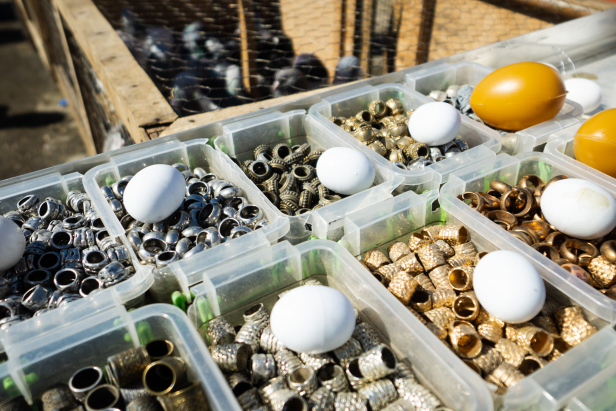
[36,131]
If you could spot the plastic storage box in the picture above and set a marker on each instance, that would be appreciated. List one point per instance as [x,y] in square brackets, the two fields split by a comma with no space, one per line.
[241,138]
[130,292]
[35,366]
[195,153]
[483,141]
[510,170]
[259,277]
[547,389]
[442,76]
[598,394]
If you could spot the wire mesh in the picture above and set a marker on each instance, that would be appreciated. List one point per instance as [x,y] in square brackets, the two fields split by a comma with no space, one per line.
[204,55]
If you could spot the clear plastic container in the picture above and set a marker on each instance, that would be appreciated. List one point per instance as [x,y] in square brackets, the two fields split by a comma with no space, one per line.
[442,76]
[36,365]
[598,394]
[230,288]
[130,292]
[510,170]
[483,141]
[547,389]
[241,138]
[195,153]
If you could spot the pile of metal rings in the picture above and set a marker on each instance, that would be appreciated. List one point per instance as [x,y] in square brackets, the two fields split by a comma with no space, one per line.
[361,375]
[69,255]
[384,128]
[146,378]
[518,210]
[287,176]
[432,275]
[213,212]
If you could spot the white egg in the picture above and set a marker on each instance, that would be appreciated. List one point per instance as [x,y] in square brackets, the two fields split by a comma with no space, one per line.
[12,243]
[313,319]
[435,123]
[579,208]
[154,193]
[345,170]
[585,92]
[509,287]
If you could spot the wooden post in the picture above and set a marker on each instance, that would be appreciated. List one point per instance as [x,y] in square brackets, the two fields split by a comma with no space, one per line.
[248,32]
[425,31]
[366,33]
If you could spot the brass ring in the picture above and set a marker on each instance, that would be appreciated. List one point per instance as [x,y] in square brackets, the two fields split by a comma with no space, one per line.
[608,251]
[547,250]
[491,202]
[588,249]
[533,179]
[531,233]
[522,237]
[515,191]
[476,200]
[499,216]
[556,239]
[492,192]
[555,179]
[500,186]
[540,227]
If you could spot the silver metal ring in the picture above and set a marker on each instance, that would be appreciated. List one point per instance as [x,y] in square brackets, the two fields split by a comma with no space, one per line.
[112,273]
[191,232]
[90,285]
[165,258]
[53,224]
[61,240]
[194,201]
[196,249]
[199,172]
[94,261]
[126,221]
[120,253]
[68,280]
[237,203]
[37,277]
[225,227]
[250,215]
[117,208]
[34,223]
[171,238]
[85,380]
[209,237]
[79,238]
[107,193]
[160,227]
[179,221]
[97,224]
[229,193]
[198,187]
[210,215]
[229,212]
[154,235]
[36,298]
[118,188]
[151,248]
[28,204]
[50,261]
[239,231]
[134,239]
[52,210]
[183,246]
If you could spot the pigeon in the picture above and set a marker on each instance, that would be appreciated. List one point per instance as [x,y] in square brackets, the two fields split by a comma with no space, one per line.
[289,81]
[313,69]
[347,70]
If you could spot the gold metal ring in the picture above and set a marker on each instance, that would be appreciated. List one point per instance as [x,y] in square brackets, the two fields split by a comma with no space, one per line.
[540,227]
[533,179]
[547,250]
[608,251]
[476,200]
[513,195]
[491,202]
[502,218]
[574,244]
[530,233]
[500,186]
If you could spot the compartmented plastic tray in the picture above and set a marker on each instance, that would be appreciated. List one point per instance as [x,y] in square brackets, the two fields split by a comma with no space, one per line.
[241,138]
[510,170]
[130,292]
[230,288]
[483,141]
[547,389]
[36,365]
[195,153]
[442,76]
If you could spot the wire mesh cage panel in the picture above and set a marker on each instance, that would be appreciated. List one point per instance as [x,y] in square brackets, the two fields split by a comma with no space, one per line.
[204,55]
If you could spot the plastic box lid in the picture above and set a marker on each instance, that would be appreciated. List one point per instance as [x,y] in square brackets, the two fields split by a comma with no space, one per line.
[441,76]
[195,153]
[241,138]
[483,141]
[547,389]
[53,184]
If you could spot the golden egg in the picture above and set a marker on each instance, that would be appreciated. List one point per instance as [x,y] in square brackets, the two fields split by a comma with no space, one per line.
[595,142]
[519,96]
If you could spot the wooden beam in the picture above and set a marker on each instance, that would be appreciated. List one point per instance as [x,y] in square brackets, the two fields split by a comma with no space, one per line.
[366,33]
[136,99]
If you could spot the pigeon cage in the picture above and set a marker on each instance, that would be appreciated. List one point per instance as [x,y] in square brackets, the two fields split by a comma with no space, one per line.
[134,70]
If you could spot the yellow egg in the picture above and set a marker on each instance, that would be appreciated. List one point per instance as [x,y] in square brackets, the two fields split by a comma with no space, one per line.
[519,96]
[595,142]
